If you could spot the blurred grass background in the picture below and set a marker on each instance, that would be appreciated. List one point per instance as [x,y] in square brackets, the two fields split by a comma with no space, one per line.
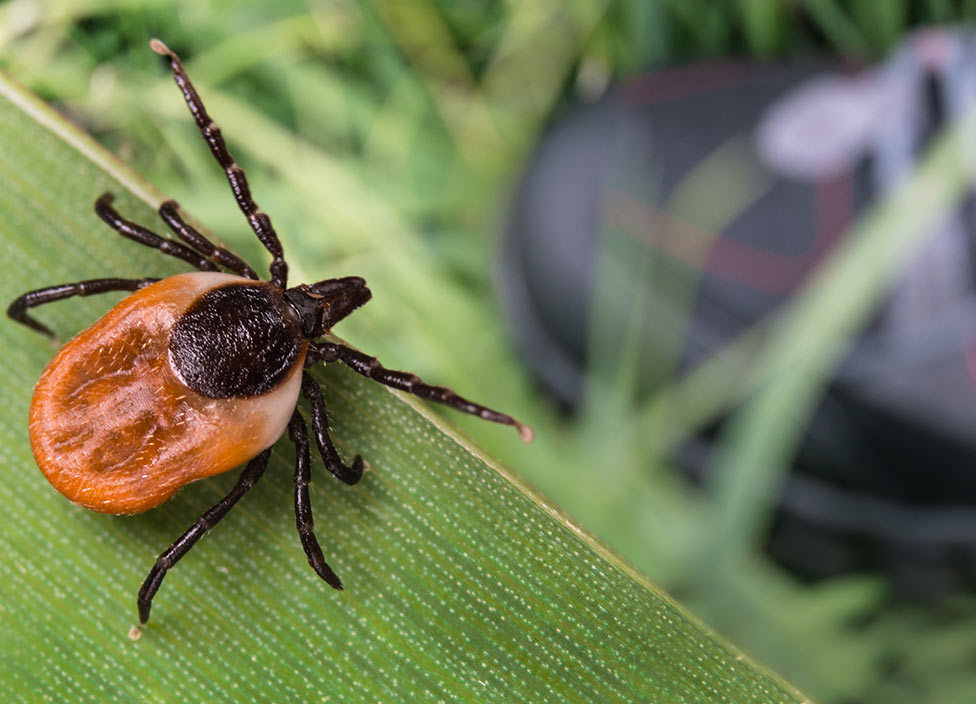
[385,138]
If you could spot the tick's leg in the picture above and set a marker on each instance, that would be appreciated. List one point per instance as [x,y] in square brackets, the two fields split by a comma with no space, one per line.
[252,472]
[320,428]
[303,507]
[18,308]
[259,221]
[371,368]
[169,212]
[138,233]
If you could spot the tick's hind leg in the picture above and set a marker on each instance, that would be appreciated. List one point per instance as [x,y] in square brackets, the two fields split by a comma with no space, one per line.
[303,505]
[320,427]
[170,213]
[138,233]
[18,308]
[256,218]
[252,472]
[371,368]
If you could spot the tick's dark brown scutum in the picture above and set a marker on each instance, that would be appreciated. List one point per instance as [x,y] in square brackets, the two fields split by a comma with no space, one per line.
[236,341]
[198,373]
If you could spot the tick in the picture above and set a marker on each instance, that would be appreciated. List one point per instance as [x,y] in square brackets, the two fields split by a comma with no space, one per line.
[199,373]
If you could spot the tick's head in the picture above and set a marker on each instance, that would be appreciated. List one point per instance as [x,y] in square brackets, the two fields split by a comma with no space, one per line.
[323,304]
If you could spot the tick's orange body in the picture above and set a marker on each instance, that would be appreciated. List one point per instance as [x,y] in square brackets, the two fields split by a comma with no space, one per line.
[114,428]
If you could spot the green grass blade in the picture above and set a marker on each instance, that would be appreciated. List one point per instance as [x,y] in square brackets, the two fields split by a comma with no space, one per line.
[461,583]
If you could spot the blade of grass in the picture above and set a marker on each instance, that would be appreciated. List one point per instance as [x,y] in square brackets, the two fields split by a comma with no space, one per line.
[424,38]
[883,22]
[837,25]
[762,22]
[462,584]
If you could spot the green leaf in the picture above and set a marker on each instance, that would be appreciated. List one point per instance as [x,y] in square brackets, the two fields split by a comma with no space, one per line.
[462,583]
